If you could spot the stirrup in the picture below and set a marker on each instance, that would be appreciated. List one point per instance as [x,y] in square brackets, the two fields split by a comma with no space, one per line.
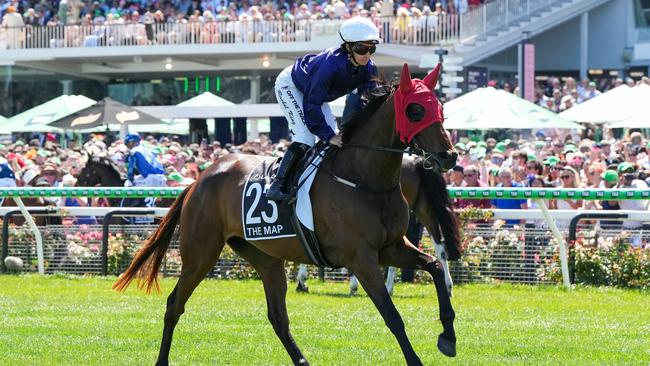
[277,196]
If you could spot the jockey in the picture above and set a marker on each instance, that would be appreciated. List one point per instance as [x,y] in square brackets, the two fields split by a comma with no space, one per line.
[140,159]
[304,89]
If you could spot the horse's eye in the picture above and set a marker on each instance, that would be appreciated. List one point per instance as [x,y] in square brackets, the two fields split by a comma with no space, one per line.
[415,112]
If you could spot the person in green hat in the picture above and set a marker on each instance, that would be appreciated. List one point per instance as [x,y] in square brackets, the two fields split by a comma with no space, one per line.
[610,180]
[552,170]
[500,147]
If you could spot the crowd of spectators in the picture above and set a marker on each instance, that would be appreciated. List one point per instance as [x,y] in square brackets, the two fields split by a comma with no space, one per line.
[43,12]
[555,161]
[36,164]
[218,21]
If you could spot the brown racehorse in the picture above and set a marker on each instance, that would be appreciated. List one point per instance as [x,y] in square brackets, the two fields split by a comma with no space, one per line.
[361,229]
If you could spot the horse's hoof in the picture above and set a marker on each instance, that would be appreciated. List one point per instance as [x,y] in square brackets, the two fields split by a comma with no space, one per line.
[353,291]
[447,347]
[302,288]
[162,363]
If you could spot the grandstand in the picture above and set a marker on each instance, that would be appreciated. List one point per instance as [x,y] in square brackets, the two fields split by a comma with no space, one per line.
[145,62]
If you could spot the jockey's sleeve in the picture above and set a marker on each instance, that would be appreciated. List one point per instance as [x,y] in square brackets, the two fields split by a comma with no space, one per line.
[130,167]
[314,96]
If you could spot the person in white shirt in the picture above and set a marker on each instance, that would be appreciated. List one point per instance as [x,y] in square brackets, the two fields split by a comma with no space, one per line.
[12,26]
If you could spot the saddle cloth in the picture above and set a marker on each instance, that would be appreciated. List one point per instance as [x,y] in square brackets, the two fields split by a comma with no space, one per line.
[263,219]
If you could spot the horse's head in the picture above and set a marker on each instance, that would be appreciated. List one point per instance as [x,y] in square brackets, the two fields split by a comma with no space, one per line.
[99,171]
[419,118]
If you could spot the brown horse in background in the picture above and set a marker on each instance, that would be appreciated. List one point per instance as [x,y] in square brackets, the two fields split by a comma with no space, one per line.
[361,229]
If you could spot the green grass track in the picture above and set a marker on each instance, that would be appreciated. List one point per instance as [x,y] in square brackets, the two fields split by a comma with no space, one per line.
[57,320]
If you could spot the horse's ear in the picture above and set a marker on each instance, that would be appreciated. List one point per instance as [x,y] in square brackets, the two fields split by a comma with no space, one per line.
[432,78]
[405,83]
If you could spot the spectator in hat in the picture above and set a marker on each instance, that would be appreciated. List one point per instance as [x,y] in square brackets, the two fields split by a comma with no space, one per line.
[609,180]
[51,173]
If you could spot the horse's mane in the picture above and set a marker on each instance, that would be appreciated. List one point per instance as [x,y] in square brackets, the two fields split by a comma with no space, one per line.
[371,100]
[435,187]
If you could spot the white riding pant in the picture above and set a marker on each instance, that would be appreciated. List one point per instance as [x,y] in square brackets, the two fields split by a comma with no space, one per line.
[290,100]
[151,180]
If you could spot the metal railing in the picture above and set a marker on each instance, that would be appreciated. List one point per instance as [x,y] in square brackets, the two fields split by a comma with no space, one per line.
[431,29]
[423,30]
[500,14]
[518,254]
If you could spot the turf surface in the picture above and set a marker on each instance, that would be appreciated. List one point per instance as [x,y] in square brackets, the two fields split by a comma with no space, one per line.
[59,320]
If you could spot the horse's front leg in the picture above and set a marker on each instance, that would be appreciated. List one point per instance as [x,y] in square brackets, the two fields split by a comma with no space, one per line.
[371,278]
[405,255]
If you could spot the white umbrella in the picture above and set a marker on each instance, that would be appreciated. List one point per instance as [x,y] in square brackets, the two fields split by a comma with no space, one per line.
[606,107]
[488,108]
[634,110]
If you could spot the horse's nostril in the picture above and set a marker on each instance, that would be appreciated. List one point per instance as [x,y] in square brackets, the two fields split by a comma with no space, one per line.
[453,155]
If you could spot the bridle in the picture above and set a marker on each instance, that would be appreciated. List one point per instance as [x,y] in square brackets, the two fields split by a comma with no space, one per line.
[429,161]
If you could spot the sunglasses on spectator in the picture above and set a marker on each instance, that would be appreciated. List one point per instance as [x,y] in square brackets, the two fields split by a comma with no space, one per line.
[566,177]
[362,49]
[49,173]
[467,175]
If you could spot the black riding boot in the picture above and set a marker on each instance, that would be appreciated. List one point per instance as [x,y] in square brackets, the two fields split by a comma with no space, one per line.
[294,153]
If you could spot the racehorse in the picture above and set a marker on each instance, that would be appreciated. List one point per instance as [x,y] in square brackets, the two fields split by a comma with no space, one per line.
[425,191]
[360,229]
[101,171]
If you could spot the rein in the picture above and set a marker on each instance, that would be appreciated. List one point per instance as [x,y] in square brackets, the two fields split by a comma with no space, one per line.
[428,161]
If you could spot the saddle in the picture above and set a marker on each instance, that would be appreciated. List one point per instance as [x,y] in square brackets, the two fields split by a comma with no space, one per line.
[264,220]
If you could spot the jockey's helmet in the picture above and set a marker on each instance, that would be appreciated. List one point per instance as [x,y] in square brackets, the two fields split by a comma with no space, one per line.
[359,29]
[132,137]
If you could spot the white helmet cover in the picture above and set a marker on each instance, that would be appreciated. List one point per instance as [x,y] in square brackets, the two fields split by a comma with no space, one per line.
[359,29]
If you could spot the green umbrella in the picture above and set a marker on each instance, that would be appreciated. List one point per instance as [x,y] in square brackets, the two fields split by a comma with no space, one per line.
[37,118]
[488,108]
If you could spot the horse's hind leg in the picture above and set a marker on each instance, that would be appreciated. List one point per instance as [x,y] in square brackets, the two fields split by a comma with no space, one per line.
[196,266]
[271,271]
[405,255]
[371,278]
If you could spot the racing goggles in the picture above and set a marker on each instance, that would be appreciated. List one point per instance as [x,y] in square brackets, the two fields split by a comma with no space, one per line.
[362,49]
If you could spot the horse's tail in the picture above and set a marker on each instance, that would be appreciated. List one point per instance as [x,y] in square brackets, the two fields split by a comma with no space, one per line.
[436,190]
[149,258]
